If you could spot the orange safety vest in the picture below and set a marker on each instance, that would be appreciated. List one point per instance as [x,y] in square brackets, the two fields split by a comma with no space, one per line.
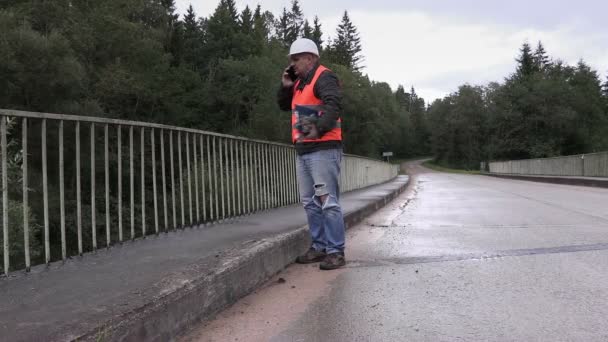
[306,97]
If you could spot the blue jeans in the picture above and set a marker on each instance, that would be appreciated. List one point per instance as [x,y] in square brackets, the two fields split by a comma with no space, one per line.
[319,175]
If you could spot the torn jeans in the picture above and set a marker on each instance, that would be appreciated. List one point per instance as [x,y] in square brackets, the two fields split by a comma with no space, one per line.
[318,177]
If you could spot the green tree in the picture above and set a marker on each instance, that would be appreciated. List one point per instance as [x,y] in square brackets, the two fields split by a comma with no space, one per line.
[296,21]
[460,129]
[282,28]
[48,16]
[193,39]
[173,31]
[405,144]
[588,103]
[261,28]
[541,59]
[38,72]
[317,34]
[246,21]
[246,37]
[306,30]
[526,63]
[222,29]
[417,110]
[346,48]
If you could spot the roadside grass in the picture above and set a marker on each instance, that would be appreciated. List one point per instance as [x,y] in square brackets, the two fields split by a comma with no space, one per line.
[431,165]
[399,161]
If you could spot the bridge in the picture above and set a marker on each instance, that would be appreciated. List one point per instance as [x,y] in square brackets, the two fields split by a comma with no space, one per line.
[457,257]
[123,230]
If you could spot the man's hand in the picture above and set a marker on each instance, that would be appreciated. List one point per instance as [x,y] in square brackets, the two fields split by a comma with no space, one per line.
[286,80]
[313,133]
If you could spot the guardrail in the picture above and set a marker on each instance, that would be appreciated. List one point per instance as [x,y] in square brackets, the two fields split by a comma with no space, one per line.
[586,165]
[73,184]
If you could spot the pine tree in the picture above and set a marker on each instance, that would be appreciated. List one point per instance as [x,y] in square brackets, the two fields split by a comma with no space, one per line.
[247,40]
[526,62]
[231,8]
[190,24]
[222,30]
[586,98]
[307,30]
[417,109]
[192,38]
[412,97]
[173,31]
[169,6]
[246,21]
[317,35]
[405,136]
[402,97]
[282,28]
[541,59]
[605,93]
[346,49]
[260,27]
[296,19]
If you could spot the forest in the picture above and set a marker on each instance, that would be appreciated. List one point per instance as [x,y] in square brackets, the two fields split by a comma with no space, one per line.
[140,60]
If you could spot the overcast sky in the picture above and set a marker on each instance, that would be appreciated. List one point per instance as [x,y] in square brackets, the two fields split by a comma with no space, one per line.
[438,45]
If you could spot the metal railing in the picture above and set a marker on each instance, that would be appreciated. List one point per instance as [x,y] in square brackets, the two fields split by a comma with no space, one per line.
[138,179]
[586,165]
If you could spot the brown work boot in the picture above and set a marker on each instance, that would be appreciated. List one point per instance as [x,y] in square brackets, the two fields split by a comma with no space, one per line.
[333,261]
[311,256]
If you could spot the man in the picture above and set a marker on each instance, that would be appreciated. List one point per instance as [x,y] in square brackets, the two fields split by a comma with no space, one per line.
[314,99]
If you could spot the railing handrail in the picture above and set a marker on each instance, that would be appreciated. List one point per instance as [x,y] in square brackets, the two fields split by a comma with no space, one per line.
[94,119]
[219,175]
[587,165]
[549,158]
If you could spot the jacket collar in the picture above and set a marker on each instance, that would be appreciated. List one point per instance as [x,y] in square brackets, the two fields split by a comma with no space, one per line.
[308,78]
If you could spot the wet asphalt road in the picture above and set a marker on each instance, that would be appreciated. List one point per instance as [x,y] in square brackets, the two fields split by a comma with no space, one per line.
[456,258]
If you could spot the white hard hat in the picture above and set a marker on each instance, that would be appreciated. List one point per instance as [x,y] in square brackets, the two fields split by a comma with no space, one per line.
[303,45]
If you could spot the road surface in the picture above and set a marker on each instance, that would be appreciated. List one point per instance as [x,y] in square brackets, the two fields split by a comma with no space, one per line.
[455,258]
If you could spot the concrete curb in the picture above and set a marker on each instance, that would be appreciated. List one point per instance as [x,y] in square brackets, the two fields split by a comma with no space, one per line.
[355,217]
[188,302]
[597,183]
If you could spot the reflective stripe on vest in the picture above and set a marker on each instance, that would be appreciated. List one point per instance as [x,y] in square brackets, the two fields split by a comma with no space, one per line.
[306,97]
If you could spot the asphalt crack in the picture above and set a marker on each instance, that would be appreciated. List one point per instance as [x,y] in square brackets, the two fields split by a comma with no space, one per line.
[477,256]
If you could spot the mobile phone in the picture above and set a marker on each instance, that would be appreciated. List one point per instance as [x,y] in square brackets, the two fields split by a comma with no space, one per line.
[292,73]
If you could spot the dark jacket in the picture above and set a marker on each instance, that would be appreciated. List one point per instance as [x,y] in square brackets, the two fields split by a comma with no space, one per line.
[328,90]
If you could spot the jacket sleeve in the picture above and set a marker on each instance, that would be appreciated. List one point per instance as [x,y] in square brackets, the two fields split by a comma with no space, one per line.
[284,96]
[328,90]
